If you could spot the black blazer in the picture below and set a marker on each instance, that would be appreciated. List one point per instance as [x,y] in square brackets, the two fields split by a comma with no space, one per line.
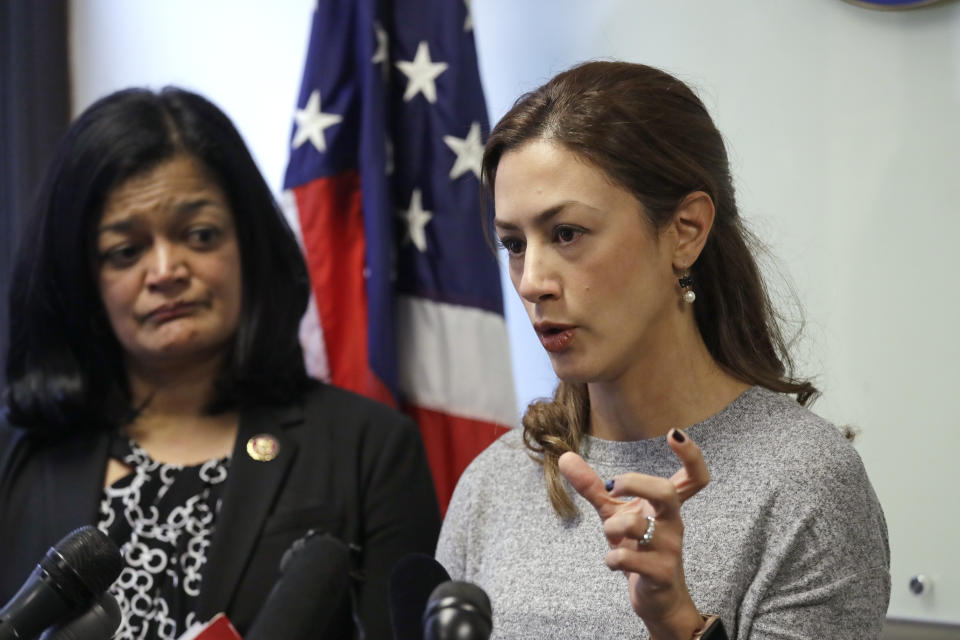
[346,465]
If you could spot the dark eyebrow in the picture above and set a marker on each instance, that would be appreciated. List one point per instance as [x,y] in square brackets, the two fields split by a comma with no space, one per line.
[541,218]
[120,226]
[184,209]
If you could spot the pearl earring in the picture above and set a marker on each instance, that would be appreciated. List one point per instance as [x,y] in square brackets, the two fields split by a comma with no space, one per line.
[686,282]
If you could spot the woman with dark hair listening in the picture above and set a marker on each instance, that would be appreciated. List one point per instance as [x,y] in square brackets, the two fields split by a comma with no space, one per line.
[672,452]
[156,386]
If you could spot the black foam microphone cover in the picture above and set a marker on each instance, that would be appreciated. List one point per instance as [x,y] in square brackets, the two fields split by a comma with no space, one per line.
[64,584]
[411,582]
[314,585]
[96,623]
[458,611]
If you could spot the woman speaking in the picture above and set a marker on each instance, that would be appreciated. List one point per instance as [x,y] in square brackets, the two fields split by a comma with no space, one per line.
[676,486]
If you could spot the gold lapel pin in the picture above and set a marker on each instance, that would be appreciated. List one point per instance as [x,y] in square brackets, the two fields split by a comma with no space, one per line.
[263,447]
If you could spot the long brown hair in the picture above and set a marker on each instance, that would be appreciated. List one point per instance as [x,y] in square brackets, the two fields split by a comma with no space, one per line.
[650,134]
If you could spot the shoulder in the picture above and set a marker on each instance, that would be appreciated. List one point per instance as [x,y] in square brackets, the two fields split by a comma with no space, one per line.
[771,451]
[9,435]
[507,456]
[14,443]
[348,452]
[508,447]
[776,434]
[20,444]
[356,435]
[336,429]
[333,401]
[331,412]
[806,533]
[488,491]
[801,466]
[500,476]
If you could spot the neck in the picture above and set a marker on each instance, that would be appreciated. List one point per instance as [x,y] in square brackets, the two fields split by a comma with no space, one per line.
[678,384]
[176,391]
[173,425]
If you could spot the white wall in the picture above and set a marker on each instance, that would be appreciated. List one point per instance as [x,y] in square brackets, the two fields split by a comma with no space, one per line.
[244,55]
[844,131]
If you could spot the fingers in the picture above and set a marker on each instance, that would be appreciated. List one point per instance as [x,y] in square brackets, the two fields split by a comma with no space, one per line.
[657,568]
[626,524]
[694,474]
[665,496]
[587,483]
[651,558]
[659,492]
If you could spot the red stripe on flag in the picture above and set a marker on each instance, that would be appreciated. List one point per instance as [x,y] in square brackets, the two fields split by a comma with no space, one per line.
[331,222]
[452,443]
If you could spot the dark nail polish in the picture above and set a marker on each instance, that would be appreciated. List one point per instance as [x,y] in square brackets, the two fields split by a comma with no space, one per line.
[609,485]
[678,435]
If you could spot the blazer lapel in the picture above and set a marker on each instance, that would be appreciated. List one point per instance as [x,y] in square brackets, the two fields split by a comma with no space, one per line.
[74,483]
[247,499]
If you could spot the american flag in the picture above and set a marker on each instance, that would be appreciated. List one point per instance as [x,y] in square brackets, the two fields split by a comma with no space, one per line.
[383,183]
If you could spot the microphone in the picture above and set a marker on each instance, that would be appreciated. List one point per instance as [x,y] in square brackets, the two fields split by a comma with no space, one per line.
[65,582]
[98,623]
[314,583]
[458,611]
[411,581]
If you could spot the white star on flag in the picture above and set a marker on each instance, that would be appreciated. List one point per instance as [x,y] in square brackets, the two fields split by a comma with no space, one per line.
[469,152]
[382,52]
[468,23]
[311,122]
[421,73]
[417,219]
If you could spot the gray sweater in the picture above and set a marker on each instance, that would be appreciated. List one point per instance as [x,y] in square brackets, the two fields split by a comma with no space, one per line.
[787,541]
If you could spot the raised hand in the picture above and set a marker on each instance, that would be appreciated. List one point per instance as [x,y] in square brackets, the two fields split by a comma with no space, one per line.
[653,564]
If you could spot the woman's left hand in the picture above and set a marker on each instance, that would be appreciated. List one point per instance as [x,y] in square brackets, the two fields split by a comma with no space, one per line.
[658,589]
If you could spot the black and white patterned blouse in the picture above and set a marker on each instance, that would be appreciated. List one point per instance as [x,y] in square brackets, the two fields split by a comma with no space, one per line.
[162,517]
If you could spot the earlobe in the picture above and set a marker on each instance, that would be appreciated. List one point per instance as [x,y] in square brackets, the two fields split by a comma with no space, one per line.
[692,223]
